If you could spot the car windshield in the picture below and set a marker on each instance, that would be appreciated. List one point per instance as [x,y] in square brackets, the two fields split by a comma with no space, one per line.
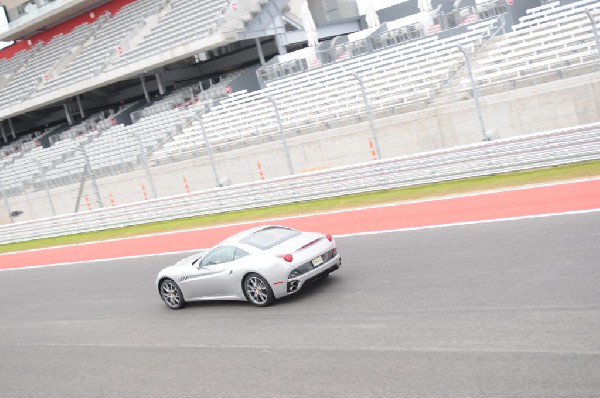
[269,237]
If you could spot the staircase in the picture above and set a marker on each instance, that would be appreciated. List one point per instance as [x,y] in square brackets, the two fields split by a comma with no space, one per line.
[239,15]
[74,52]
[457,87]
[5,80]
[137,35]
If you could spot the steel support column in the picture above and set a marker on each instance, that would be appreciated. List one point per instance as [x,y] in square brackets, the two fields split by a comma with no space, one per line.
[3,132]
[159,83]
[280,41]
[143,80]
[261,55]
[79,104]
[12,129]
[280,36]
[68,114]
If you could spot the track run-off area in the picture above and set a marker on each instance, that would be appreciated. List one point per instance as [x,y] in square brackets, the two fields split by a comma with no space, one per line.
[502,300]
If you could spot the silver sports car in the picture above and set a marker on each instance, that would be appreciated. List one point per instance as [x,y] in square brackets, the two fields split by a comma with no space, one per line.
[259,265]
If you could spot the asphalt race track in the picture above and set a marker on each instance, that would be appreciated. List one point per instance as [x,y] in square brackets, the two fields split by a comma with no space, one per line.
[507,308]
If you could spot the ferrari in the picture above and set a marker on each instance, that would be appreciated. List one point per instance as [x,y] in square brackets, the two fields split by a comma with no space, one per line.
[259,265]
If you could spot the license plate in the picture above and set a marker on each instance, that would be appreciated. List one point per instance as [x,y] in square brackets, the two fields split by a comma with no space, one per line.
[317,261]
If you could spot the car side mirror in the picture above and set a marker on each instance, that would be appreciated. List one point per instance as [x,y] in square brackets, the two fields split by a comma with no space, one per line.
[197,263]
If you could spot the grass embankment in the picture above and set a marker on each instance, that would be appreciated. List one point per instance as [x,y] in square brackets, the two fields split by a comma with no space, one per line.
[477,184]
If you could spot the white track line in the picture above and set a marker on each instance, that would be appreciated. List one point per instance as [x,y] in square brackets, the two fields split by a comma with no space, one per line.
[270,220]
[336,236]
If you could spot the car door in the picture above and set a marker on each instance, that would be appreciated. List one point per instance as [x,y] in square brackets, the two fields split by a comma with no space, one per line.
[213,276]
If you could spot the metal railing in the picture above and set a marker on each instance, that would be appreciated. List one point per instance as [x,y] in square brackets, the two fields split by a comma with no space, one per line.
[551,148]
[387,39]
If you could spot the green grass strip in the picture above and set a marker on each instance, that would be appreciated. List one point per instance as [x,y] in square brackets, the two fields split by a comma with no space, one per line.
[476,184]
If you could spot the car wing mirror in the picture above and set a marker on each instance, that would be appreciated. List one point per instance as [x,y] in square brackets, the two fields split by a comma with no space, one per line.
[197,263]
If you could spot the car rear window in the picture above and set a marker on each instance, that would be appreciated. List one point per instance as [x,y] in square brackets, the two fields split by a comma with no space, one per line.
[269,237]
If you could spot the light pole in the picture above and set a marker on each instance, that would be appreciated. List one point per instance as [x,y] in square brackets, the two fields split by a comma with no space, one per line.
[144,159]
[475,92]
[595,31]
[46,188]
[369,114]
[6,204]
[282,135]
[93,178]
[208,148]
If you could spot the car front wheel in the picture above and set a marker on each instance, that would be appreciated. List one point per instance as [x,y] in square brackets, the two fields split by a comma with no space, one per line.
[258,291]
[171,294]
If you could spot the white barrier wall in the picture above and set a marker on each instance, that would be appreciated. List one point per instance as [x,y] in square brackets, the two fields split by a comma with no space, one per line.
[553,105]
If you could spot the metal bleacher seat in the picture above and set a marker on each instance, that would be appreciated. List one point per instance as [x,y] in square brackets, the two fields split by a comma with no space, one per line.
[178,25]
[550,39]
[31,75]
[394,77]
[101,46]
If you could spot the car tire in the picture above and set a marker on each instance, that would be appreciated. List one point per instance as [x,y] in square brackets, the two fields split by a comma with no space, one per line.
[257,290]
[171,294]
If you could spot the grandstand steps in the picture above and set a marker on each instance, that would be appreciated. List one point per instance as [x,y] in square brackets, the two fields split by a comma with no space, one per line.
[73,53]
[62,63]
[240,15]
[146,25]
[138,34]
[7,78]
[4,81]
[455,89]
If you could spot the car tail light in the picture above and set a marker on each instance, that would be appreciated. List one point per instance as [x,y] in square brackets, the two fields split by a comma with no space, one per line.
[329,237]
[286,257]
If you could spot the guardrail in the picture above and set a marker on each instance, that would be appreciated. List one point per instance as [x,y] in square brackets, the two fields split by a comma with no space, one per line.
[551,148]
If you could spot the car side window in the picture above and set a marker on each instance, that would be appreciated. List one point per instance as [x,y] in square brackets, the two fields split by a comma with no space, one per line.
[219,255]
[239,253]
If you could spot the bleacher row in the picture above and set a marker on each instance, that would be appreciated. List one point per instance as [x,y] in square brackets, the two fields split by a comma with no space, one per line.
[117,149]
[139,30]
[190,94]
[396,77]
[110,151]
[559,37]
[27,80]
[547,40]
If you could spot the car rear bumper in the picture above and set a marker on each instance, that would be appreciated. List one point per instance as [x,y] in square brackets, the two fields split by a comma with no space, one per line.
[296,284]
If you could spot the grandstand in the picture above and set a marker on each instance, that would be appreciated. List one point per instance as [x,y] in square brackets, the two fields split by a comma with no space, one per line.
[167,84]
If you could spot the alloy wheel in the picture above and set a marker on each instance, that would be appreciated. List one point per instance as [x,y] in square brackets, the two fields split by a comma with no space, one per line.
[170,294]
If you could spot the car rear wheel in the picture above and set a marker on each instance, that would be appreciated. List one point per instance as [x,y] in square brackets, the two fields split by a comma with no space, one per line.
[171,294]
[258,291]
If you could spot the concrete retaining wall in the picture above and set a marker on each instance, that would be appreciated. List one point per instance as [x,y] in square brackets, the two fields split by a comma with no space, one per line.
[553,105]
